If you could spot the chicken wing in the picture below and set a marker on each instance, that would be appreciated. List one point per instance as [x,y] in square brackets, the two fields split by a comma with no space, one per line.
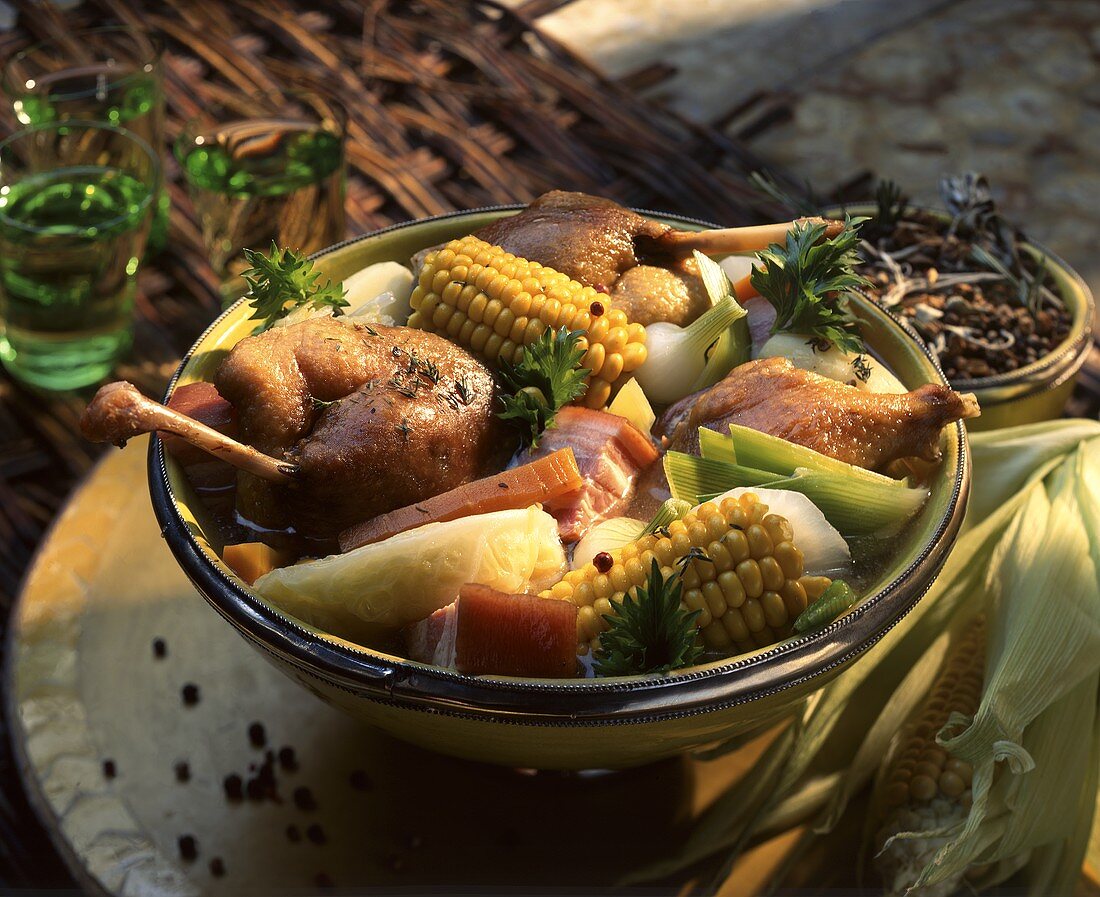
[867,429]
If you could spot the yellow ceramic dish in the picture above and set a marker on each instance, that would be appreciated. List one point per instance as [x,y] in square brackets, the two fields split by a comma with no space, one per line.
[556,724]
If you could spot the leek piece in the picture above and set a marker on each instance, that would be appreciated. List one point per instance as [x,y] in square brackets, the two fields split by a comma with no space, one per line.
[853,507]
[856,506]
[766,452]
[716,447]
[734,346]
[671,509]
[690,476]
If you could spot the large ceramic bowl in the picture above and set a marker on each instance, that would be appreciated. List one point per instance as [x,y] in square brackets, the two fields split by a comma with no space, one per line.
[1038,391]
[555,724]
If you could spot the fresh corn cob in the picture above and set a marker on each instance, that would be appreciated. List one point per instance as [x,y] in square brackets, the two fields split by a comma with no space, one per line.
[924,788]
[495,304]
[744,576]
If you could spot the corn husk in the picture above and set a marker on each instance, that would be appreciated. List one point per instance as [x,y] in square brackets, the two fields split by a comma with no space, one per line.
[1029,558]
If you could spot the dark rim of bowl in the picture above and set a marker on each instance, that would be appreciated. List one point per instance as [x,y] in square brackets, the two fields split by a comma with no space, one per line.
[582,702]
[1048,371]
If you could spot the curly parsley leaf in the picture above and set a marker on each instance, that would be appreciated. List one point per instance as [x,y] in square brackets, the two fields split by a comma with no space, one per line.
[283,280]
[807,279]
[547,377]
[650,632]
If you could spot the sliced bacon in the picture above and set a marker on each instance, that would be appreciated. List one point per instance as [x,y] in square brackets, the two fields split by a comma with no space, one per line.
[432,640]
[205,404]
[610,453]
[486,632]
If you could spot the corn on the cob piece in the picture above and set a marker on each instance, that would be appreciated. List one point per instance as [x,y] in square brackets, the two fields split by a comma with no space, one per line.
[924,788]
[495,303]
[748,589]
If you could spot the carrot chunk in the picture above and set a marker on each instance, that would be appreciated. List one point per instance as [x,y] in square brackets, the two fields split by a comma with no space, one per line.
[515,635]
[540,480]
[744,289]
[251,560]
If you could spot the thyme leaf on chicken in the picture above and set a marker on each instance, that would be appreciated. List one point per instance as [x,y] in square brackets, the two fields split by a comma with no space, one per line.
[807,280]
[283,280]
[650,631]
[547,377]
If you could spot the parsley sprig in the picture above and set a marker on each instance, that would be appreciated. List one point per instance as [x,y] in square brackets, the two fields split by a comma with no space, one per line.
[283,280]
[807,280]
[651,632]
[547,377]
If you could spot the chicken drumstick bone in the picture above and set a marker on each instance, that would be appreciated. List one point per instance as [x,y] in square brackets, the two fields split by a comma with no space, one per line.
[119,412]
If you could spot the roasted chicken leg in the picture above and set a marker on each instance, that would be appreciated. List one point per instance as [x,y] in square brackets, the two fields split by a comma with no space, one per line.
[647,267]
[343,422]
[867,429]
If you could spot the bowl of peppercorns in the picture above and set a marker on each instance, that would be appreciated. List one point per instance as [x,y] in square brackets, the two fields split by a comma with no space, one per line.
[1006,318]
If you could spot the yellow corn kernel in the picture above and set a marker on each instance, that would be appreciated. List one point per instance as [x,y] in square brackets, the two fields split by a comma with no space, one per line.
[519,299]
[744,602]
[918,771]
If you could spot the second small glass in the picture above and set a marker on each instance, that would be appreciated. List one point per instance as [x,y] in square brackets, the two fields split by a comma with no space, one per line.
[263,169]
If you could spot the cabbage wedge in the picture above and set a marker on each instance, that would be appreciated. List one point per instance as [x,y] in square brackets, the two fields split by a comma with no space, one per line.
[372,590]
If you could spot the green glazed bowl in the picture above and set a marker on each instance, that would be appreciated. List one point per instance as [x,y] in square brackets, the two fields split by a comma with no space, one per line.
[1038,391]
[556,724]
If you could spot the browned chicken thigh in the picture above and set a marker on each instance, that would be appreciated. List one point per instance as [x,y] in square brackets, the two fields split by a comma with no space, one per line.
[862,428]
[590,238]
[340,422]
[376,418]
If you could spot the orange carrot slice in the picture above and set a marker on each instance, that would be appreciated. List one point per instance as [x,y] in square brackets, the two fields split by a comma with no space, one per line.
[541,480]
[744,289]
[251,560]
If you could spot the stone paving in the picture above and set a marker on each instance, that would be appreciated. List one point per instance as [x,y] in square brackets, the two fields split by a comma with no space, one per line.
[908,89]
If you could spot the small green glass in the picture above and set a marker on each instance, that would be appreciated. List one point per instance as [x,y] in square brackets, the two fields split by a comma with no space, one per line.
[262,168]
[112,74]
[76,202]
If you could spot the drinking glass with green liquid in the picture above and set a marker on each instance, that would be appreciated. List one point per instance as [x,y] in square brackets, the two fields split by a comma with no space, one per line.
[112,74]
[263,168]
[76,201]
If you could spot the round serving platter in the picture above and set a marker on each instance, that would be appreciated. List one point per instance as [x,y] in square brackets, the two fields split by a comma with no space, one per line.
[131,703]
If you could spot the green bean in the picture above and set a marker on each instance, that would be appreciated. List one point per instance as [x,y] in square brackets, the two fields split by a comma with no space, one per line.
[836,599]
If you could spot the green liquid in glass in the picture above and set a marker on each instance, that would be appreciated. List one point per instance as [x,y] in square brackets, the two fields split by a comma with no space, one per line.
[70,241]
[104,93]
[262,180]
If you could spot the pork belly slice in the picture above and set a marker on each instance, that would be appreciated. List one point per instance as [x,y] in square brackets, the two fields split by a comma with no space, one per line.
[432,640]
[610,453]
[486,632]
